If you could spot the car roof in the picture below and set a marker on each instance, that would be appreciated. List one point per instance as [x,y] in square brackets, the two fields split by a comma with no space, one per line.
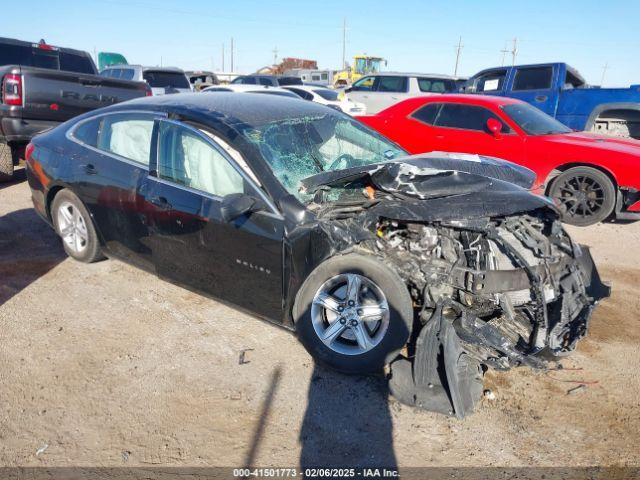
[482,100]
[163,69]
[307,87]
[413,74]
[229,108]
[243,87]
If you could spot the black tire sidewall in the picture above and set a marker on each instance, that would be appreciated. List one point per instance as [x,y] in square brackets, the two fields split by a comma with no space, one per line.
[400,318]
[92,252]
[607,186]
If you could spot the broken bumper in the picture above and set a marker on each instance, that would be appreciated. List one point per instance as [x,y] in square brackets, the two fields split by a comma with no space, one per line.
[455,346]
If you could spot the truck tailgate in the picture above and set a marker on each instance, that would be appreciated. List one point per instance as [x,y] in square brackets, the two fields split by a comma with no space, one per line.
[58,95]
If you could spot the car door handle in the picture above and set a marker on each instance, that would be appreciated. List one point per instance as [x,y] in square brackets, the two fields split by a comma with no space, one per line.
[90,169]
[439,137]
[160,202]
[541,98]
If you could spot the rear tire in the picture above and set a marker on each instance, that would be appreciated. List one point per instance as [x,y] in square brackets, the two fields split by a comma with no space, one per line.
[74,225]
[6,163]
[587,194]
[369,330]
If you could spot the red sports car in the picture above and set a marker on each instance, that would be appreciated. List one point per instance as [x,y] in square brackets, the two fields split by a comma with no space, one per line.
[592,176]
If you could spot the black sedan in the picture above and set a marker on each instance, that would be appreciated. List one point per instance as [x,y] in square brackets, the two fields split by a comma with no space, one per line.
[440,265]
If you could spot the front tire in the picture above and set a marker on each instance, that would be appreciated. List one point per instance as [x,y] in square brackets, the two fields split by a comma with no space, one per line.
[353,314]
[587,194]
[73,224]
[6,163]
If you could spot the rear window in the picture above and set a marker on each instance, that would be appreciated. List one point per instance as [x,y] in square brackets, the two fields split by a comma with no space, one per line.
[50,59]
[327,94]
[75,63]
[159,79]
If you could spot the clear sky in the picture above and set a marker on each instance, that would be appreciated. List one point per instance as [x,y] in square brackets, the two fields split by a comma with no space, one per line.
[413,35]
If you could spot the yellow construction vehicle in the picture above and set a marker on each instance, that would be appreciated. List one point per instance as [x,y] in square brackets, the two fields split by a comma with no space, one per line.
[362,65]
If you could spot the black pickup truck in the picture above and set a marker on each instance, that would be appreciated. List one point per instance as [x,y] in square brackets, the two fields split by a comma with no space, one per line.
[42,86]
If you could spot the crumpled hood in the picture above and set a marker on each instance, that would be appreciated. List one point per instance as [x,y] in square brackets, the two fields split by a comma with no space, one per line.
[442,186]
[429,175]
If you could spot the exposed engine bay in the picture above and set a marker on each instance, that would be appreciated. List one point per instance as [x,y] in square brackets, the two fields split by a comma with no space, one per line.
[490,289]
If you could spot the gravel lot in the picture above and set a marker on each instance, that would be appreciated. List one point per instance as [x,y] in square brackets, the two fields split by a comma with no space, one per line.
[105,365]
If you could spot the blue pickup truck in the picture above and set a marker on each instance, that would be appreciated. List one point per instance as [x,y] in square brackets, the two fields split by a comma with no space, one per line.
[560,91]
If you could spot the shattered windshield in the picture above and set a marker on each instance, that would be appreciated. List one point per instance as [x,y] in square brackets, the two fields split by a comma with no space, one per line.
[297,148]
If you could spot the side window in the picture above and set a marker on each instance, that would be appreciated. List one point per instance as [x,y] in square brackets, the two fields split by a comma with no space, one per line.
[87,132]
[127,135]
[302,94]
[435,85]
[266,81]
[428,113]
[392,84]
[365,84]
[127,74]
[538,78]
[466,117]
[491,81]
[187,159]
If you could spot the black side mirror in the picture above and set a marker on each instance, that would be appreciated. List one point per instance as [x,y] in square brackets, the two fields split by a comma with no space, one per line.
[348,89]
[236,205]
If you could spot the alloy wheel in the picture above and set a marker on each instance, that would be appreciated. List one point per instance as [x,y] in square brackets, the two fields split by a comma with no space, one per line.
[582,196]
[350,314]
[72,227]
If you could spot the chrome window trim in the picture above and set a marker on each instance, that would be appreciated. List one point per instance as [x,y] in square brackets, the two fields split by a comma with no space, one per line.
[210,141]
[69,135]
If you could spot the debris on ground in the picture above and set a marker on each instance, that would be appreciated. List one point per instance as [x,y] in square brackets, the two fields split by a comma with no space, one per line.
[242,360]
[42,449]
[578,389]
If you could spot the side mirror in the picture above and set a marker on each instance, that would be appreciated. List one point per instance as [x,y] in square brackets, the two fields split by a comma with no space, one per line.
[494,126]
[236,205]
[348,90]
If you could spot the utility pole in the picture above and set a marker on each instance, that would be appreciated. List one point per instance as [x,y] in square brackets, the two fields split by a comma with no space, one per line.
[504,52]
[275,55]
[514,51]
[344,43]
[160,60]
[604,71]
[458,50]
[223,56]
[232,54]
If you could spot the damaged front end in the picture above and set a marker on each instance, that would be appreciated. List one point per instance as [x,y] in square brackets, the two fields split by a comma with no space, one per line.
[495,280]
[497,293]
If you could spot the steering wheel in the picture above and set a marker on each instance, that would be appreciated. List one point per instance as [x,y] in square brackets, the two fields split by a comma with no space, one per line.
[348,159]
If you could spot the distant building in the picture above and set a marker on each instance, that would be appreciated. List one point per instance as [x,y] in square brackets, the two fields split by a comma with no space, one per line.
[321,77]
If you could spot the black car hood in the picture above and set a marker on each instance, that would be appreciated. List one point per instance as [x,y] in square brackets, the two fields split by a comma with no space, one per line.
[442,186]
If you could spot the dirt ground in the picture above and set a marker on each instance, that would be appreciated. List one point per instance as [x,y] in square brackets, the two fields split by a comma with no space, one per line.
[105,365]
